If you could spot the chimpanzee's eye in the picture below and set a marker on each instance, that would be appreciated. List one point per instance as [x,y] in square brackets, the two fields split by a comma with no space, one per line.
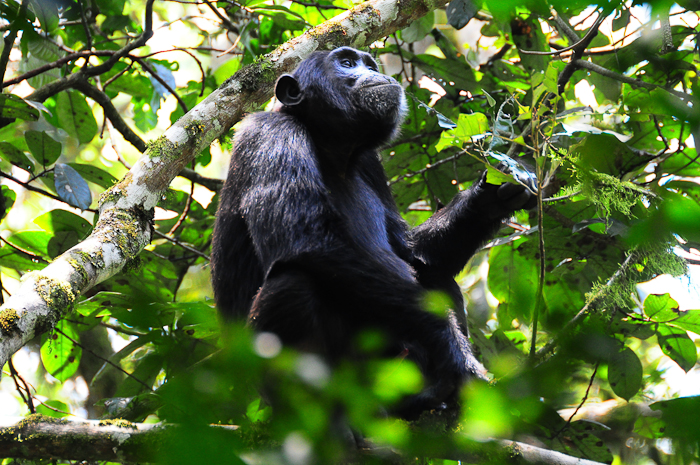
[346,63]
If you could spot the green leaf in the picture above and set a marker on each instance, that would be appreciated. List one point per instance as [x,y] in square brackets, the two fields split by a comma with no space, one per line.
[145,118]
[582,439]
[13,107]
[61,242]
[115,23]
[688,320]
[44,149]
[257,411]
[36,242]
[625,373]
[94,175]
[7,200]
[53,409]
[15,156]
[104,301]
[680,417]
[660,308]
[16,260]
[448,139]
[46,13]
[75,116]
[146,372]
[676,215]
[67,229]
[418,28]
[59,354]
[468,125]
[602,153]
[493,176]
[199,319]
[676,344]
[513,280]
[63,220]
[622,19]
[130,83]
[633,327]
[448,71]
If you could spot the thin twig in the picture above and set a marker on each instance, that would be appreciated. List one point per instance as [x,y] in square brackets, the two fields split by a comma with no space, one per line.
[15,376]
[153,73]
[57,64]
[226,22]
[563,197]
[183,245]
[26,252]
[105,360]
[549,347]
[194,57]
[111,113]
[626,79]
[586,39]
[583,401]
[185,212]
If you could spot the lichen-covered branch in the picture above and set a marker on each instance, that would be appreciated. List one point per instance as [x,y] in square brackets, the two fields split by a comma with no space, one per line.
[125,210]
[37,437]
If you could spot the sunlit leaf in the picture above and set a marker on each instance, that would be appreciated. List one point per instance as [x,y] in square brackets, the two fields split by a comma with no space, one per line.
[36,242]
[688,320]
[679,417]
[660,308]
[17,260]
[59,353]
[396,378]
[63,220]
[54,409]
[676,344]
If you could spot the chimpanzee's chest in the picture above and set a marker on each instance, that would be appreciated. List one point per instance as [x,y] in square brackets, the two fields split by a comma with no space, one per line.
[363,214]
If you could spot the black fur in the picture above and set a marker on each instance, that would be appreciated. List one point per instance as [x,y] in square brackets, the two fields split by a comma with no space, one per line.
[309,244]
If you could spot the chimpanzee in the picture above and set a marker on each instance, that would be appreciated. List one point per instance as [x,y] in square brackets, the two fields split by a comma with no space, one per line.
[309,243]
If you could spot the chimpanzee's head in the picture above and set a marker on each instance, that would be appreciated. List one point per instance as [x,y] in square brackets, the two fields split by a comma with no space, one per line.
[342,94]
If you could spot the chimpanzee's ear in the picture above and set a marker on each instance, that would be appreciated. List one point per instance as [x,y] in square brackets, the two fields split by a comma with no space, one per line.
[287,90]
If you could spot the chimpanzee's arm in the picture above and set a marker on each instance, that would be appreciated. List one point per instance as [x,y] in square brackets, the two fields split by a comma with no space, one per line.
[444,243]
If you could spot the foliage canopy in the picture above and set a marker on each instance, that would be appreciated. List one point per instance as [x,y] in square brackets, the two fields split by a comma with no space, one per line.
[598,100]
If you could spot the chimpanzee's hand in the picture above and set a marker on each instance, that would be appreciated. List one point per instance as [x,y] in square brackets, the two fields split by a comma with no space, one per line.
[500,201]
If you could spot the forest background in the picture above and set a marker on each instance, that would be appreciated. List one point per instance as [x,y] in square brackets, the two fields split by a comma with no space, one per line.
[107,309]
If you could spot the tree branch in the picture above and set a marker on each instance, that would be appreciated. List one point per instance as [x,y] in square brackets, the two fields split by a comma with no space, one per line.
[626,79]
[111,113]
[130,136]
[38,437]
